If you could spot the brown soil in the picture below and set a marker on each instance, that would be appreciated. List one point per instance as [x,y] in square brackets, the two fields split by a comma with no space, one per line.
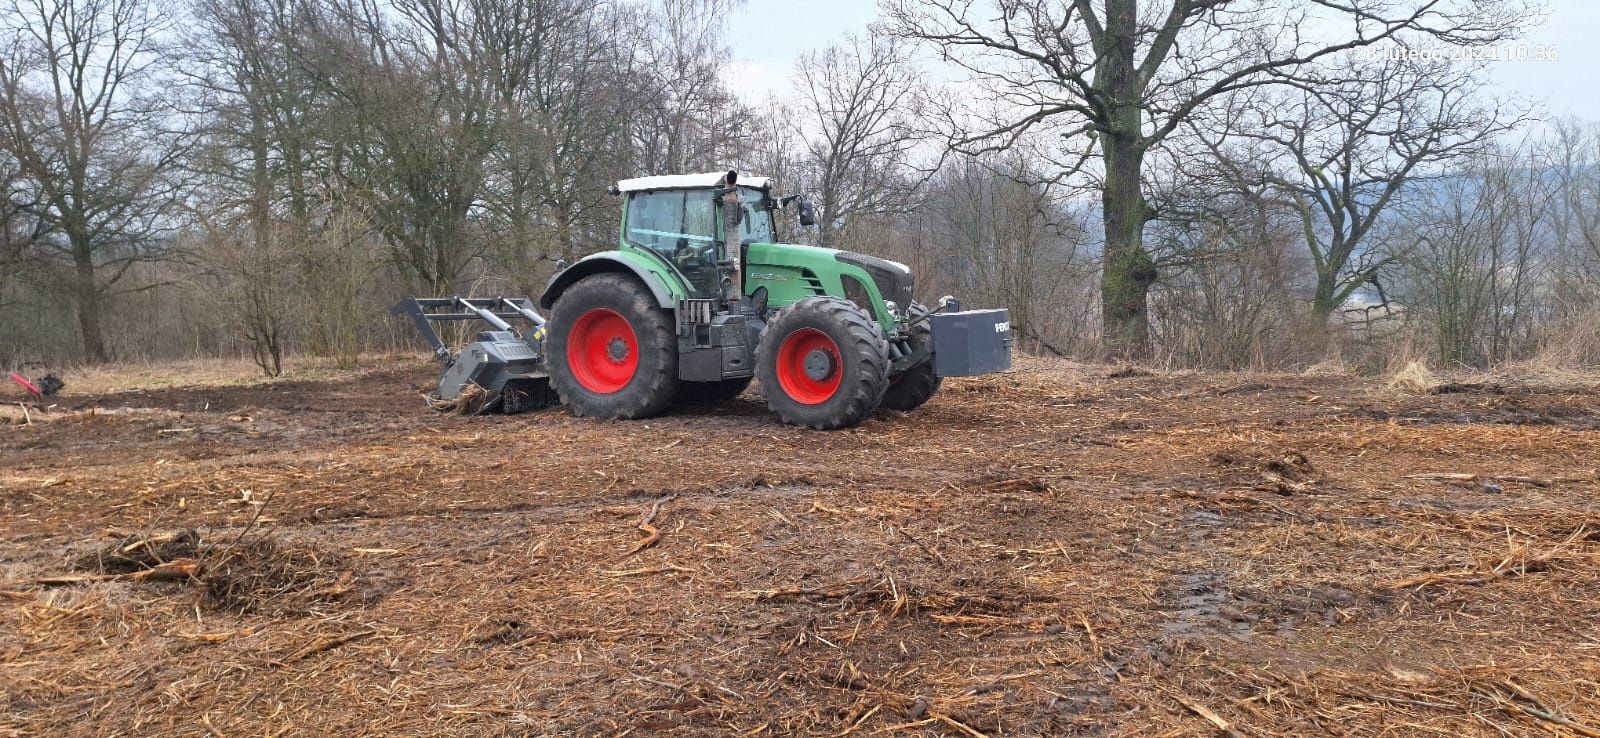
[1056,551]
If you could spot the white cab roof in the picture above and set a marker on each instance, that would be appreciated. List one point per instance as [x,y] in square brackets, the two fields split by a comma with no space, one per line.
[681,181]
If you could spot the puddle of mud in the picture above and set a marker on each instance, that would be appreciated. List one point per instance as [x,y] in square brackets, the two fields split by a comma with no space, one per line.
[1201,598]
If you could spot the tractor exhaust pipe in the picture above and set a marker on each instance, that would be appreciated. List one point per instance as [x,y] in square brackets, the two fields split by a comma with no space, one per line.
[732,214]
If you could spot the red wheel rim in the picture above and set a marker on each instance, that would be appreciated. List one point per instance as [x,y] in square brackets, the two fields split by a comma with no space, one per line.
[602,351]
[799,384]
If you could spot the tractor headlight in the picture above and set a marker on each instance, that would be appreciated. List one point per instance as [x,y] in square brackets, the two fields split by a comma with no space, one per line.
[893,308]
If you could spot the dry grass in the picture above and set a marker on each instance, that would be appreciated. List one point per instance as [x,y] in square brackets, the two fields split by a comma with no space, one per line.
[1575,345]
[207,372]
[1417,378]
[1414,376]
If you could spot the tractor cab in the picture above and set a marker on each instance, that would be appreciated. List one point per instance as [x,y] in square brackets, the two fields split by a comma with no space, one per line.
[679,219]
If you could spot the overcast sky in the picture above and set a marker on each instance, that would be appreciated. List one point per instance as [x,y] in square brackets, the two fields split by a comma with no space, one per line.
[768,35]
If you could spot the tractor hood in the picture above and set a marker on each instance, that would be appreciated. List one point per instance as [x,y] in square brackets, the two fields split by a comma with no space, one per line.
[893,279]
[792,271]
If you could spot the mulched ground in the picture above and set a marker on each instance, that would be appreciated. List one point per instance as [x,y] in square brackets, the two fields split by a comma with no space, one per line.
[1062,550]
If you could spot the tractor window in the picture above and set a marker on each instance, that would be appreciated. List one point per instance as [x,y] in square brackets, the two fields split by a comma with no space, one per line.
[757,225]
[699,215]
[679,226]
[670,222]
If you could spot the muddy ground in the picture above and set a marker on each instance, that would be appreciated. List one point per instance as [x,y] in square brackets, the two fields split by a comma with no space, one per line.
[1057,551]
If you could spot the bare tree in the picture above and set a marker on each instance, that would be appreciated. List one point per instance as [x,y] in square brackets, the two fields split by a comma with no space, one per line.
[1571,325]
[254,161]
[685,117]
[415,117]
[862,100]
[1230,262]
[1132,75]
[254,273]
[1473,257]
[343,254]
[252,71]
[19,226]
[1575,165]
[82,113]
[565,89]
[1002,239]
[1341,153]
[776,148]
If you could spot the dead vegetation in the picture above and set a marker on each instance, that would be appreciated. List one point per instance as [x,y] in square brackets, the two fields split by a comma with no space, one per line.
[243,574]
[265,575]
[1049,552]
[469,402]
[137,552]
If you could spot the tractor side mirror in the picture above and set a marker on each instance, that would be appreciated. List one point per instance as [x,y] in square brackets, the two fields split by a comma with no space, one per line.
[808,212]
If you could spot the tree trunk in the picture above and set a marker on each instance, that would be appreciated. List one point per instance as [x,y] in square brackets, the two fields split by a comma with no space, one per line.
[1322,303]
[88,294]
[261,316]
[1128,271]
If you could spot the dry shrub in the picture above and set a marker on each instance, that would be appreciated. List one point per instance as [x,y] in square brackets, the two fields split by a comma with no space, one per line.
[1575,344]
[1416,377]
[264,575]
[138,552]
[1333,366]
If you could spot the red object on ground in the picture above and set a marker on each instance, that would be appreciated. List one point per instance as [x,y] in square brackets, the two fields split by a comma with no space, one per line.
[32,390]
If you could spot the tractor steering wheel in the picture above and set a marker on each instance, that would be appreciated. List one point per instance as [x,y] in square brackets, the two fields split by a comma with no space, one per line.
[687,255]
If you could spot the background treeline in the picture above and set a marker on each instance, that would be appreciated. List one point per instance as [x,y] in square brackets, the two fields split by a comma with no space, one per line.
[266,177]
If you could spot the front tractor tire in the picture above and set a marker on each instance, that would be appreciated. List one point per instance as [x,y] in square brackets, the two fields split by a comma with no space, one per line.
[909,389]
[612,352]
[823,363]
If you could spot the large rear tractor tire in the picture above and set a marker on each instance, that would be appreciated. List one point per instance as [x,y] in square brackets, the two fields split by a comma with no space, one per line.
[909,389]
[612,352]
[823,363]
[711,393]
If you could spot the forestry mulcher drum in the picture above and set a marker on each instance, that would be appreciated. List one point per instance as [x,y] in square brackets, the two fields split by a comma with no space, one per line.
[697,300]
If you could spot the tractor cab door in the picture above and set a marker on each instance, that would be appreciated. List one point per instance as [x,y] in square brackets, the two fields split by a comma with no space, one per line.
[680,225]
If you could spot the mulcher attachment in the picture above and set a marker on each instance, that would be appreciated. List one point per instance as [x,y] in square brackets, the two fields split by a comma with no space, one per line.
[501,370]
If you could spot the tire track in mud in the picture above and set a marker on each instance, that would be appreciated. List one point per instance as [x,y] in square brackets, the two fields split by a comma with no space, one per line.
[1198,603]
[1197,600]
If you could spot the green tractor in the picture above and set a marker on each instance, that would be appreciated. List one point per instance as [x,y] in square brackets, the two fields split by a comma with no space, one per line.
[697,300]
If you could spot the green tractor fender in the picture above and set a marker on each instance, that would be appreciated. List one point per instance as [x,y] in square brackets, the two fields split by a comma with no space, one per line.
[665,286]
